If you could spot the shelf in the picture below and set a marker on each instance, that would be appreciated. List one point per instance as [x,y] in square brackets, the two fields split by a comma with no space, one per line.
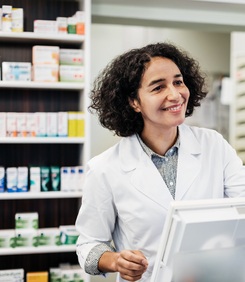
[41,37]
[42,85]
[42,140]
[41,195]
[37,250]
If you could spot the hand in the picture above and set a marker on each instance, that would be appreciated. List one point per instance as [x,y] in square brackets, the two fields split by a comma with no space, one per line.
[131,265]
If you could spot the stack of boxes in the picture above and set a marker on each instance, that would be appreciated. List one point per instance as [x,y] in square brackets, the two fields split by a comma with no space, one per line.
[67,273]
[12,275]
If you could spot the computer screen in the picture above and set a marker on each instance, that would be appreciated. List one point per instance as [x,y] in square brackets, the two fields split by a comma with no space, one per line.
[197,229]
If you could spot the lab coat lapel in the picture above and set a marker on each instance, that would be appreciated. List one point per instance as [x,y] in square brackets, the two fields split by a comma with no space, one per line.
[145,176]
[189,166]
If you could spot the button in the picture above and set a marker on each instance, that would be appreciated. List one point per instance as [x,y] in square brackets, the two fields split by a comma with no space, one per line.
[166,159]
[171,150]
[171,183]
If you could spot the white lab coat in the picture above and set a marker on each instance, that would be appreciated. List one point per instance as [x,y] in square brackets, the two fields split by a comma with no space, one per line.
[126,199]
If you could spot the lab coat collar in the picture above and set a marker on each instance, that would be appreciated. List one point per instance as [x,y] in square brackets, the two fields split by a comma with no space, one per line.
[146,177]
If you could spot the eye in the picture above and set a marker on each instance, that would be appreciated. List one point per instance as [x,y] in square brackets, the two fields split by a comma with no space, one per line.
[178,82]
[158,88]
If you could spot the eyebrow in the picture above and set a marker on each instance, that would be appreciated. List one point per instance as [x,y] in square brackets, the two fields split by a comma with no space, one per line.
[162,79]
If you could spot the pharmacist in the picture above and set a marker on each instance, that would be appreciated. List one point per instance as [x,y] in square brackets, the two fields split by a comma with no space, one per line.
[144,96]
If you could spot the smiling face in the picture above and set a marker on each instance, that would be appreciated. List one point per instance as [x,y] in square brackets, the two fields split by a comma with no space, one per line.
[162,97]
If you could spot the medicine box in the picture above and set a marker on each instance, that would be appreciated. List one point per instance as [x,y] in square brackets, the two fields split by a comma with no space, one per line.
[7,18]
[26,238]
[15,71]
[73,179]
[26,220]
[80,124]
[80,178]
[55,178]
[67,275]
[72,124]
[2,179]
[17,19]
[1,16]
[45,179]
[44,26]
[12,176]
[62,24]
[68,235]
[71,57]
[55,274]
[7,239]
[62,124]
[45,55]
[80,26]
[13,275]
[30,124]
[3,129]
[78,273]
[41,276]
[49,237]
[65,178]
[11,124]
[71,25]
[21,124]
[22,185]
[45,73]
[41,124]
[35,185]
[71,73]
[52,124]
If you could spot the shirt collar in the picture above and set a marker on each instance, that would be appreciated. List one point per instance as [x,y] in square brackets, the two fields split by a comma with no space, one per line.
[173,150]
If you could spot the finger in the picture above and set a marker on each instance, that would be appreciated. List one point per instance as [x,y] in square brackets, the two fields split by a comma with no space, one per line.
[130,265]
[130,278]
[131,256]
[139,253]
[131,273]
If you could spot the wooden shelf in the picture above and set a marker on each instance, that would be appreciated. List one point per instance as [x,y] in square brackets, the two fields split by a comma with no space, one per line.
[41,37]
[37,250]
[41,195]
[42,85]
[42,140]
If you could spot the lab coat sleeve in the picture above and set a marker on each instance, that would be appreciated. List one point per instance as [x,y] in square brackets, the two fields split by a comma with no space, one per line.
[234,172]
[97,215]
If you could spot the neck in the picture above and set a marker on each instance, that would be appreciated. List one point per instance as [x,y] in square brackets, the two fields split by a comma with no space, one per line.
[160,142]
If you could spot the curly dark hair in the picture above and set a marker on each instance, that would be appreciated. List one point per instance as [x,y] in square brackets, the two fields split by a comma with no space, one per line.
[121,80]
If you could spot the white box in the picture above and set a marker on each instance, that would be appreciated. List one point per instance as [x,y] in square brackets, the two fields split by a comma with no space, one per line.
[7,239]
[12,175]
[65,173]
[30,124]
[71,73]
[1,16]
[21,124]
[35,185]
[11,124]
[55,274]
[71,57]
[68,234]
[41,124]
[7,18]
[80,178]
[17,19]
[62,124]
[3,129]
[26,238]
[49,237]
[26,220]
[46,73]
[45,55]
[43,26]
[13,275]
[79,273]
[2,179]
[67,275]
[22,185]
[16,71]
[73,178]
[52,124]
[62,25]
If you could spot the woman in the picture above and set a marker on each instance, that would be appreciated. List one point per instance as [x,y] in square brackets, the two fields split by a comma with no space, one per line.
[144,96]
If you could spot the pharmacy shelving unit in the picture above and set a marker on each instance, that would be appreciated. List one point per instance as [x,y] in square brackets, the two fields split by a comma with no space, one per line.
[237,109]
[54,208]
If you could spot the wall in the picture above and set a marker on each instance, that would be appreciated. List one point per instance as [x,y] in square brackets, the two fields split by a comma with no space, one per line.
[212,50]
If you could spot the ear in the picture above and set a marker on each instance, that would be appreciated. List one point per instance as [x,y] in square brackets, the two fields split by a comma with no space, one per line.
[134,103]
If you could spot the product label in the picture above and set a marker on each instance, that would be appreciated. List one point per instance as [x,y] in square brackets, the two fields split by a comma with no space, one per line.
[24,223]
[68,239]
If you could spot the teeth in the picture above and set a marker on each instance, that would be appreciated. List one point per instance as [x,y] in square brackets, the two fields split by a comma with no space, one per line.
[173,109]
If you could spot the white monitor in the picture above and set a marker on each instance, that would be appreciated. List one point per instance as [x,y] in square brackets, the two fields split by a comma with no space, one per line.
[197,231]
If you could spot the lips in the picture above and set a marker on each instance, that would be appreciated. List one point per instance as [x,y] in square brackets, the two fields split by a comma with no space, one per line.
[173,108]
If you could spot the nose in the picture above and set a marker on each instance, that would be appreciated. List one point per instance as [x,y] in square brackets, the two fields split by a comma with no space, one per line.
[173,93]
